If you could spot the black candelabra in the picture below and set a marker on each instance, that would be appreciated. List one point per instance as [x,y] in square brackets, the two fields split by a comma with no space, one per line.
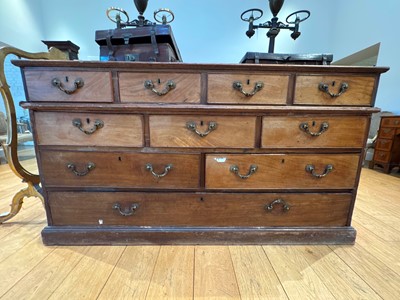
[293,21]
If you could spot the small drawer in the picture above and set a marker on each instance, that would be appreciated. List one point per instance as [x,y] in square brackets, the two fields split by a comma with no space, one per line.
[202,131]
[159,87]
[68,86]
[247,89]
[391,122]
[386,133]
[381,156]
[209,210]
[120,169]
[313,132]
[281,171]
[382,144]
[334,90]
[88,129]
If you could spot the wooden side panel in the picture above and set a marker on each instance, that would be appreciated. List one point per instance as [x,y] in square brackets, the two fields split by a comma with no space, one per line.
[281,171]
[289,132]
[117,130]
[97,86]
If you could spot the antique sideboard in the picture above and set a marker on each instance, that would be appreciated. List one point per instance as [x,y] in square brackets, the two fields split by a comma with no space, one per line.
[177,153]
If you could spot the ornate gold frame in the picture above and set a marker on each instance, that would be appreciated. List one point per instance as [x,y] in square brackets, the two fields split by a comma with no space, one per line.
[10,146]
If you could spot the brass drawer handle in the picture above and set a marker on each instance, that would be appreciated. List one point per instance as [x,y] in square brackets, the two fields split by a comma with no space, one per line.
[306,128]
[129,211]
[149,167]
[97,125]
[237,85]
[311,169]
[193,127]
[89,167]
[235,169]
[270,207]
[170,85]
[325,88]
[78,83]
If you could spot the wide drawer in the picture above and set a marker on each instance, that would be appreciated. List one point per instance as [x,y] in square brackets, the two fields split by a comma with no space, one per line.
[88,129]
[202,131]
[281,171]
[184,209]
[382,144]
[247,89]
[313,131]
[159,87]
[120,169]
[381,156]
[334,90]
[68,86]
[391,122]
[387,133]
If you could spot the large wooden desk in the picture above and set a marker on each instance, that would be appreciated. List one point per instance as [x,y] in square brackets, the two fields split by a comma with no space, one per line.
[142,153]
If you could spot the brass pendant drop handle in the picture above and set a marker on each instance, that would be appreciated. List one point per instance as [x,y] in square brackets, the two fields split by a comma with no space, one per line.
[306,128]
[235,169]
[78,83]
[89,167]
[129,211]
[270,207]
[149,167]
[344,86]
[170,85]
[311,169]
[96,125]
[192,126]
[237,85]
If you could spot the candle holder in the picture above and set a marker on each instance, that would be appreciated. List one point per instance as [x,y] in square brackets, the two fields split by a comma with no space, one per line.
[293,21]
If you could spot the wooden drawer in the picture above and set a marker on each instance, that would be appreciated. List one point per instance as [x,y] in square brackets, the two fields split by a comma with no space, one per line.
[381,156]
[97,86]
[391,122]
[120,169]
[386,133]
[132,87]
[221,89]
[382,144]
[179,131]
[281,171]
[313,131]
[184,209]
[88,129]
[360,91]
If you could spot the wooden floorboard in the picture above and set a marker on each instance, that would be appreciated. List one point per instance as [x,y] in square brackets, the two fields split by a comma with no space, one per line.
[368,270]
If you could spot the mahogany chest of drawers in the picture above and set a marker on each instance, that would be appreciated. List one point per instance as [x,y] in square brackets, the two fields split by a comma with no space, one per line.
[144,153]
[387,148]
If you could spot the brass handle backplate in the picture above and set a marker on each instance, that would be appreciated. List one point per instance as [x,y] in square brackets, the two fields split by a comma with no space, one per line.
[170,85]
[235,169]
[129,211]
[306,128]
[311,169]
[258,86]
[192,126]
[149,167]
[324,87]
[270,207]
[97,125]
[78,83]
[89,167]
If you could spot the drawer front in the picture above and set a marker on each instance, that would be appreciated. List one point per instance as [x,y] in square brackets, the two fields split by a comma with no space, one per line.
[142,87]
[120,169]
[359,90]
[202,131]
[281,171]
[184,209]
[391,122]
[231,88]
[77,86]
[88,129]
[386,133]
[381,156]
[382,144]
[313,131]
